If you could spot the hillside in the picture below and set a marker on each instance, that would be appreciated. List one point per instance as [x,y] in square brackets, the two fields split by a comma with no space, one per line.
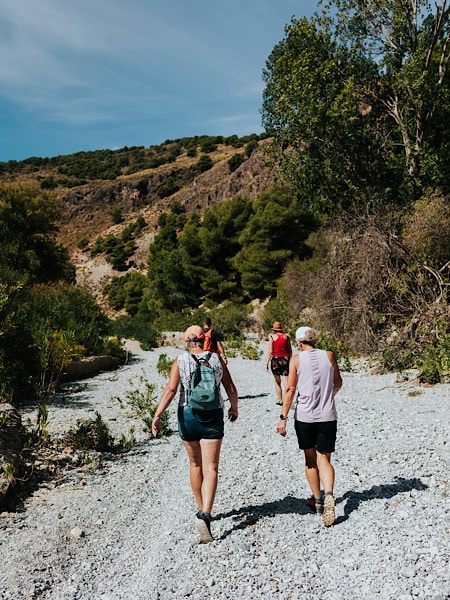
[87,209]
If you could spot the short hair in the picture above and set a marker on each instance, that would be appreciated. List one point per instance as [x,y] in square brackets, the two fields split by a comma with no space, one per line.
[207,321]
[196,343]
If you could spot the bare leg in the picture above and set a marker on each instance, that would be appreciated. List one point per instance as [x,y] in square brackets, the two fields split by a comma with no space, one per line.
[195,470]
[278,389]
[326,471]
[203,471]
[210,460]
[312,471]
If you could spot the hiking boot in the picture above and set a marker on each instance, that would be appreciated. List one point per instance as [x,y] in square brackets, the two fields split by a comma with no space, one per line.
[328,515]
[203,524]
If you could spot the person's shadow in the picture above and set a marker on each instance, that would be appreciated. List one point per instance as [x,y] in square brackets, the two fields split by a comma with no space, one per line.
[385,491]
[246,516]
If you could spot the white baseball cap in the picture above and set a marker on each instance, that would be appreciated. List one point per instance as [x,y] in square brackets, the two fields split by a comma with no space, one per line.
[301,333]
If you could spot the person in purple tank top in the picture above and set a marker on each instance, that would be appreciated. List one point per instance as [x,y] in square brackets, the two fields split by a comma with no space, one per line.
[314,380]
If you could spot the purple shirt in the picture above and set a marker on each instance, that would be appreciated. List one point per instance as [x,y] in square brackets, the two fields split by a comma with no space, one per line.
[314,394]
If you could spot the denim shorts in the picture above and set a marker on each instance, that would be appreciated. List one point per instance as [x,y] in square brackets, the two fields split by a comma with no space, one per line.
[195,425]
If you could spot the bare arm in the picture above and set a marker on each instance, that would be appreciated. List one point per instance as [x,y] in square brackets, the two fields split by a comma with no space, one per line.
[289,346]
[337,380]
[167,396]
[269,352]
[222,352]
[232,394]
[288,395]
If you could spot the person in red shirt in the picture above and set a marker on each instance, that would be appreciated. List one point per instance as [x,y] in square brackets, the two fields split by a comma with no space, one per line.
[278,356]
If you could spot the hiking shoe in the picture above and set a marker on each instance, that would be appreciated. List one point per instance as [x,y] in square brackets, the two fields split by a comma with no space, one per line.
[203,524]
[315,506]
[328,515]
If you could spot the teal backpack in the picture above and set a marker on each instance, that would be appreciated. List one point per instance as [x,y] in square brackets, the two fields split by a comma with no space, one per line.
[203,391]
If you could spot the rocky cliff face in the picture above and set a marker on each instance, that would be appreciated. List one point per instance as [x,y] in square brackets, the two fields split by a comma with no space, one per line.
[86,211]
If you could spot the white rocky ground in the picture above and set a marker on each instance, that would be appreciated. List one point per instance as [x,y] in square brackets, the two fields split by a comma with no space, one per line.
[126,530]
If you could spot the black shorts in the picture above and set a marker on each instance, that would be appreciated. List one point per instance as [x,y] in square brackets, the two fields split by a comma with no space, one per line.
[321,436]
[279,365]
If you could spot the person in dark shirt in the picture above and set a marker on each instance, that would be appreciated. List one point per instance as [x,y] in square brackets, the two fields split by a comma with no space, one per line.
[213,340]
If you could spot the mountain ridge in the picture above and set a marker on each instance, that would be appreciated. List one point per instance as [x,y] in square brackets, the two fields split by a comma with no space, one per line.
[86,210]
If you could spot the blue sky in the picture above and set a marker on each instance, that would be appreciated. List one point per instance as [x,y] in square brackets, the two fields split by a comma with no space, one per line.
[93,74]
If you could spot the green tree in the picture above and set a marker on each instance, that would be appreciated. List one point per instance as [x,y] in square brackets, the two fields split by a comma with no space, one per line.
[274,233]
[220,233]
[204,163]
[134,291]
[166,266]
[208,144]
[353,99]
[167,188]
[409,41]
[235,162]
[30,249]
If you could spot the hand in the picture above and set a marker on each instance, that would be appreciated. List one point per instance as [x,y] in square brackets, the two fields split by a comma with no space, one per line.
[232,414]
[156,425]
[281,427]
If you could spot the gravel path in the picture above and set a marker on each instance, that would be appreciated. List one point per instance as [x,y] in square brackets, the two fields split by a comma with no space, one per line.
[126,530]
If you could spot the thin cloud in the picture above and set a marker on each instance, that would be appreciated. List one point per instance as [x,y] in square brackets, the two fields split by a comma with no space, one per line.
[143,63]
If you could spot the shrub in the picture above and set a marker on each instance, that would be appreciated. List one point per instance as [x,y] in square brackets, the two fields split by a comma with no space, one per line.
[83,243]
[251,351]
[168,188]
[235,162]
[250,147]
[90,434]
[48,183]
[340,349]
[143,400]
[276,310]
[117,216]
[426,232]
[164,365]
[429,365]
[177,321]
[434,362]
[208,144]
[191,151]
[395,359]
[204,163]
[137,327]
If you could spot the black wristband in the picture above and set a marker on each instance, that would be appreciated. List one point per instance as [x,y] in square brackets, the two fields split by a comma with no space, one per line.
[283,418]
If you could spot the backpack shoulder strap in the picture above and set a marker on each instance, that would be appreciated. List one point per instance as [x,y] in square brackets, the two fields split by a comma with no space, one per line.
[206,359]
[196,360]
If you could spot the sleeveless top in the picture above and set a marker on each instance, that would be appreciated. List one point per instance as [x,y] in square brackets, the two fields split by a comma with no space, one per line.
[314,394]
[187,365]
[212,336]
[280,346]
